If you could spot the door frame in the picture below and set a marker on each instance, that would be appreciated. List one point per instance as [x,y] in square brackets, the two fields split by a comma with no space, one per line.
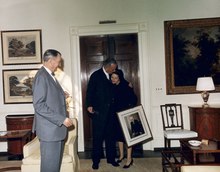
[75,33]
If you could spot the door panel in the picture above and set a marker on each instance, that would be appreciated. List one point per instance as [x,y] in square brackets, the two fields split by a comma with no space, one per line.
[95,49]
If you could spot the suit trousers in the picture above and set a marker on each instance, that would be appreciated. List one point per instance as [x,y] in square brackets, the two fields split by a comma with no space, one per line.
[99,136]
[51,155]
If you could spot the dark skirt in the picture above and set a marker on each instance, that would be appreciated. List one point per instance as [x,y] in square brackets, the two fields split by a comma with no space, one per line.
[119,136]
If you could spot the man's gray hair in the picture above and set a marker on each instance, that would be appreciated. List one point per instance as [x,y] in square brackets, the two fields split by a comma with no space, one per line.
[109,61]
[50,53]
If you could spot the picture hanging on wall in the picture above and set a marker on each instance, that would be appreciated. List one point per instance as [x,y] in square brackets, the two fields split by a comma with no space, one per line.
[21,47]
[17,85]
[192,50]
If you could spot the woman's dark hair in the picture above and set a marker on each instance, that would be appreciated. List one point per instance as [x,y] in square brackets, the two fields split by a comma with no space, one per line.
[120,74]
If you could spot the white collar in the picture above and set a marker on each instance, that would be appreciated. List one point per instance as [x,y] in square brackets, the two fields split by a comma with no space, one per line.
[107,75]
[49,71]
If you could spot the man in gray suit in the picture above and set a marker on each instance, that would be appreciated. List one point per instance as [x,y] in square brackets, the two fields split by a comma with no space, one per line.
[50,119]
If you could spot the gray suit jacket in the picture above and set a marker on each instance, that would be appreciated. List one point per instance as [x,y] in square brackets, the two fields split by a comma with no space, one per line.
[50,107]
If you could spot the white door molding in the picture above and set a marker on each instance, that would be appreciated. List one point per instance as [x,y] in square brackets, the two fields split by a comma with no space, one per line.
[75,33]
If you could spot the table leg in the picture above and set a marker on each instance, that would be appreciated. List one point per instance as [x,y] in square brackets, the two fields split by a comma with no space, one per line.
[194,158]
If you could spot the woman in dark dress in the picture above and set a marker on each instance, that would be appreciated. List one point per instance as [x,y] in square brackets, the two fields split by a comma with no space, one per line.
[124,98]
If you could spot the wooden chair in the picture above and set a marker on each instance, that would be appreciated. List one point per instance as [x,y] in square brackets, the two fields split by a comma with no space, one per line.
[173,127]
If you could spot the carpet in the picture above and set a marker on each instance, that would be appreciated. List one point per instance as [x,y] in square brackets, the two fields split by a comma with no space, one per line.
[139,165]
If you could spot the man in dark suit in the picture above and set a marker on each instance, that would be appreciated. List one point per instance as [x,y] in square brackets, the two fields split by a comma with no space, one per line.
[50,119]
[99,99]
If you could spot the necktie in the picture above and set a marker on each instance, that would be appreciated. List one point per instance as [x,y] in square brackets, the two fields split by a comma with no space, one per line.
[53,75]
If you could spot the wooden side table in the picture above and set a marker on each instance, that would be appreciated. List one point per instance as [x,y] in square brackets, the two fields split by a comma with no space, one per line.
[18,122]
[203,154]
[205,121]
[22,136]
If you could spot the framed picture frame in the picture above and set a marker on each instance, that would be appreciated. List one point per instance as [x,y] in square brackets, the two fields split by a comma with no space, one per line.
[192,50]
[134,125]
[21,47]
[17,85]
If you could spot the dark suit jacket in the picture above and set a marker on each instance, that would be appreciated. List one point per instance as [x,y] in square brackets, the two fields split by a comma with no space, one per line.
[50,107]
[99,96]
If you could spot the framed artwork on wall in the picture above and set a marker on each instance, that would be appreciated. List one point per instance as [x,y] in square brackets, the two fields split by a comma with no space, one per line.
[21,47]
[17,85]
[192,50]
[135,125]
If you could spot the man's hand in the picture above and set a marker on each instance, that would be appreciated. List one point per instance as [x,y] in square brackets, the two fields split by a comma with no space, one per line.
[67,95]
[67,122]
[130,85]
[90,110]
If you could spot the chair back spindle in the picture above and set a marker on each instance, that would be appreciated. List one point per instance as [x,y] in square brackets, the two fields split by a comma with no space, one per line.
[172,116]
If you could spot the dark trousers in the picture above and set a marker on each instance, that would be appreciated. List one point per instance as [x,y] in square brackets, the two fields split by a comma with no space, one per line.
[51,156]
[99,136]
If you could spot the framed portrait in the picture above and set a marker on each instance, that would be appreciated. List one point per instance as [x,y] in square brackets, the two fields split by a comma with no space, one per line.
[21,47]
[17,85]
[134,125]
[192,50]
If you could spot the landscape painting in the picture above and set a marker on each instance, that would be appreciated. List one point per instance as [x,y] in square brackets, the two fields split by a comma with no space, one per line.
[17,85]
[21,47]
[192,50]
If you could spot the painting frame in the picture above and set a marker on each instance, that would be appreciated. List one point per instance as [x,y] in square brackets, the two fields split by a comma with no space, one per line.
[187,44]
[17,85]
[21,47]
[137,130]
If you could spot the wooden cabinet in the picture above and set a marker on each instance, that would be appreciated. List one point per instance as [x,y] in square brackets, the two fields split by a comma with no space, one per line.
[205,121]
[17,122]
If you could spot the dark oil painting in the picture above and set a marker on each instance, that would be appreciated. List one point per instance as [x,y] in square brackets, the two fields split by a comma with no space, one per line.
[192,50]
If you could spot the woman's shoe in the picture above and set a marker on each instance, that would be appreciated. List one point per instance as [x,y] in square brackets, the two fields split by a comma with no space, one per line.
[119,160]
[127,166]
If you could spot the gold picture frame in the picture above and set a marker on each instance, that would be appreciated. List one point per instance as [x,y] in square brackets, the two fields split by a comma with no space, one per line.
[192,50]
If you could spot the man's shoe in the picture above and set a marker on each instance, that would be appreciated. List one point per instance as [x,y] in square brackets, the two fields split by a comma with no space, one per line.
[95,166]
[115,164]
